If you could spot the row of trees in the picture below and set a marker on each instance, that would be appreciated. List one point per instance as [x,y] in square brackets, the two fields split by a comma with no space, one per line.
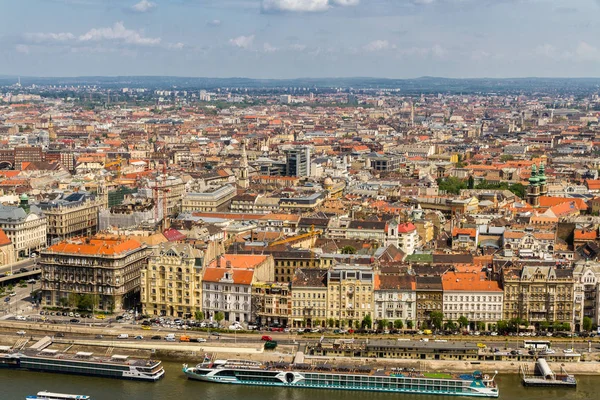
[454,185]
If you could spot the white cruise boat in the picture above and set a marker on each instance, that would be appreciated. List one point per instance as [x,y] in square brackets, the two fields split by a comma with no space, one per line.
[57,396]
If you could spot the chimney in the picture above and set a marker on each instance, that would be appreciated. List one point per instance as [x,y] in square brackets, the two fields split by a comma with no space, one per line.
[228,264]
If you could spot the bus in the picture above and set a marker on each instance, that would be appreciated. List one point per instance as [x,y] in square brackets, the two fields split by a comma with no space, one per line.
[538,345]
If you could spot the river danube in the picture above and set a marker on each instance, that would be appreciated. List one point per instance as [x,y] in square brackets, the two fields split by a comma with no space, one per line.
[15,385]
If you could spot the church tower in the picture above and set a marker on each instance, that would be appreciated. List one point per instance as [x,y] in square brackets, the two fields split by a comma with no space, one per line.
[51,131]
[533,190]
[243,181]
[542,179]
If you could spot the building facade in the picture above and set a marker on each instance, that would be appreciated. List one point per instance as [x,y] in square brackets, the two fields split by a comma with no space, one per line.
[71,216]
[309,298]
[25,230]
[350,294]
[271,303]
[586,275]
[429,298]
[108,269]
[539,294]
[171,282]
[395,298]
[211,200]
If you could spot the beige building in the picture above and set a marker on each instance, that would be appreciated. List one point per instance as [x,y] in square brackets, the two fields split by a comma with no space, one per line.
[26,230]
[270,303]
[7,250]
[71,216]
[309,298]
[171,282]
[539,294]
[174,190]
[215,199]
[107,269]
[350,294]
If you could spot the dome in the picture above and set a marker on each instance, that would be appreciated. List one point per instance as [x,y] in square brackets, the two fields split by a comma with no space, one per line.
[24,197]
[328,181]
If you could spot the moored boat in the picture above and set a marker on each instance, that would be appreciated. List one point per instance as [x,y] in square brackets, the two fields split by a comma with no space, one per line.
[325,376]
[57,396]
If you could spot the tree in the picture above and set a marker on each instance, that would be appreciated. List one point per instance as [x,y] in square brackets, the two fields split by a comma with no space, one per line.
[436,318]
[480,325]
[348,250]
[471,182]
[356,324]
[506,157]
[463,321]
[219,316]
[85,302]
[451,184]
[587,324]
[199,315]
[409,324]
[367,322]
[316,322]
[330,322]
[383,324]
[518,189]
[73,300]
[398,324]
[502,326]
[450,326]
[63,301]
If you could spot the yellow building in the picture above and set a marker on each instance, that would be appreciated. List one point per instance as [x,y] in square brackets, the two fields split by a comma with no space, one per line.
[349,294]
[270,303]
[171,283]
[309,298]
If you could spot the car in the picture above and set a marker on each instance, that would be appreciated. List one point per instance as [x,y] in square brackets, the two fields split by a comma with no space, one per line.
[23,270]
[123,336]
[100,316]
[550,351]
[198,340]
[42,312]
[77,315]
[6,299]
[31,281]
[481,345]
[494,334]
[568,350]
[146,327]
[12,294]
[59,334]
[74,321]
[21,333]
[170,339]
[156,337]
[139,337]
[21,318]
[65,314]
[99,336]
[266,338]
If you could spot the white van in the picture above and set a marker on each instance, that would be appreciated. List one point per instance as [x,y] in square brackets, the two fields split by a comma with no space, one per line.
[170,337]
[123,336]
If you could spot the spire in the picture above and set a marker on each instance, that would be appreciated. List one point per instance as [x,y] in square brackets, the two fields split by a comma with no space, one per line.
[243,181]
[51,131]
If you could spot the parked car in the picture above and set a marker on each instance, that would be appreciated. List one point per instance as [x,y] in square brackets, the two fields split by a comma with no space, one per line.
[74,321]
[59,334]
[139,337]
[99,336]
[21,333]
[198,340]
[156,337]
[6,299]
[123,336]
[21,318]
[266,338]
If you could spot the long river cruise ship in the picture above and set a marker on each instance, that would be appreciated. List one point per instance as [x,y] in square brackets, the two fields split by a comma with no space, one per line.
[82,363]
[326,376]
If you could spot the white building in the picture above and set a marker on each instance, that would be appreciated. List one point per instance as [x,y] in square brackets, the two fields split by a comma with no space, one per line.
[27,232]
[472,295]
[395,298]
[408,238]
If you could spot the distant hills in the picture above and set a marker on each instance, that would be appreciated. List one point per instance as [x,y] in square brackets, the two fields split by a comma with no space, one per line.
[418,85]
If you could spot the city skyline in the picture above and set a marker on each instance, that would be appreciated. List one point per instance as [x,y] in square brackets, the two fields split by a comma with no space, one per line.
[286,39]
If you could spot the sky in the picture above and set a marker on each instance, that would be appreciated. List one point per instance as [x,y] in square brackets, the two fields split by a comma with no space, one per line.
[301,38]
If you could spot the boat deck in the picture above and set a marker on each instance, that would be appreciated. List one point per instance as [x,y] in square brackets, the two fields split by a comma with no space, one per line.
[88,357]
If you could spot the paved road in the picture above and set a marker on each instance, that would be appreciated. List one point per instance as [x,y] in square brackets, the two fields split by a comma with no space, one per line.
[19,304]
[27,263]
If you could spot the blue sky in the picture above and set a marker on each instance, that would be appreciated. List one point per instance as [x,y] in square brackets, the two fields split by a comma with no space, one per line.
[301,38]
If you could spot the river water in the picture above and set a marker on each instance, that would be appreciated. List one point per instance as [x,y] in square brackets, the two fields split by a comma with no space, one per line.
[15,385]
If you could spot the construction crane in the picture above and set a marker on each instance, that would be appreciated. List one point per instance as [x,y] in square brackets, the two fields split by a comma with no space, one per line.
[310,234]
[118,162]
[160,193]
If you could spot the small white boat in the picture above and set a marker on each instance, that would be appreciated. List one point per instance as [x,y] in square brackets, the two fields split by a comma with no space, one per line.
[57,396]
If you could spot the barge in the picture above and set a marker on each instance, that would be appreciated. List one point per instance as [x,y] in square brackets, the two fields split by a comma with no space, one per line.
[544,376]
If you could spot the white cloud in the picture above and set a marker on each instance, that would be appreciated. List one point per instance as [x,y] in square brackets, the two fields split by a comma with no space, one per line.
[176,46]
[118,33]
[377,45]
[268,48]
[21,48]
[49,37]
[143,6]
[304,5]
[242,42]
[298,47]
[587,52]
[214,22]
[434,51]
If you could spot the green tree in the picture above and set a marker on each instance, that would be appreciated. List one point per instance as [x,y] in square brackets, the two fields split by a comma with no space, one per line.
[73,300]
[506,157]
[398,324]
[436,318]
[356,324]
[219,316]
[63,301]
[383,324]
[316,322]
[587,324]
[348,250]
[330,322]
[367,322]
[502,326]
[463,321]
[85,302]
[566,326]
[480,325]
[471,182]
[544,325]
[199,315]
[451,184]
[409,324]
[450,325]
[518,189]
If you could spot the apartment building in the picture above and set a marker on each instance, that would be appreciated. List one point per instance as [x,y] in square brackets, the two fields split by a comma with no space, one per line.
[171,282]
[350,294]
[429,298]
[107,268]
[271,303]
[26,230]
[213,199]
[395,298]
[309,298]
